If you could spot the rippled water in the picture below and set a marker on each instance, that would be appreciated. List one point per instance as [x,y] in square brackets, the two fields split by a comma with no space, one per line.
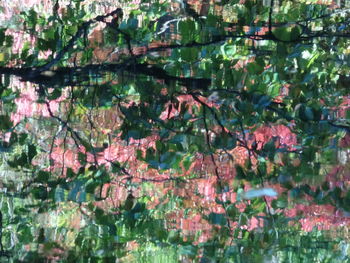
[107,160]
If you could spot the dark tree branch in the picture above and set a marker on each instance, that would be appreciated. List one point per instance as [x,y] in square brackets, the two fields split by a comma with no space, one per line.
[126,36]
[36,72]
[64,124]
[81,29]
[216,117]
[340,126]
[212,157]
[63,75]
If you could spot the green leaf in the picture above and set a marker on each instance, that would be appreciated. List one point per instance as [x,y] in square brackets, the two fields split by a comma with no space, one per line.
[5,122]
[91,185]
[71,30]
[31,152]
[255,68]
[287,33]
[187,161]
[281,202]
[42,176]
[133,23]
[189,54]
[308,78]
[2,36]
[312,60]
[217,219]
[24,234]
[282,49]
[32,18]
[188,250]
[228,50]
[55,94]
[306,113]
[160,146]
[232,211]
[40,192]
[82,158]
[46,44]
[9,41]
[240,174]
[225,141]
[174,236]
[187,30]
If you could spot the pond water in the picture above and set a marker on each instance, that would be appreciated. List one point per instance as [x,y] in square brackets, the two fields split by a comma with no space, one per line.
[180,131]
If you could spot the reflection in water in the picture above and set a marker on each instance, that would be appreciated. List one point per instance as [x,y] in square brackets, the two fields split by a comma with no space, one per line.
[185,199]
[125,152]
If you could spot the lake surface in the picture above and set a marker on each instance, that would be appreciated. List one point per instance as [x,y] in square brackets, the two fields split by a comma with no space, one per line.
[166,135]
